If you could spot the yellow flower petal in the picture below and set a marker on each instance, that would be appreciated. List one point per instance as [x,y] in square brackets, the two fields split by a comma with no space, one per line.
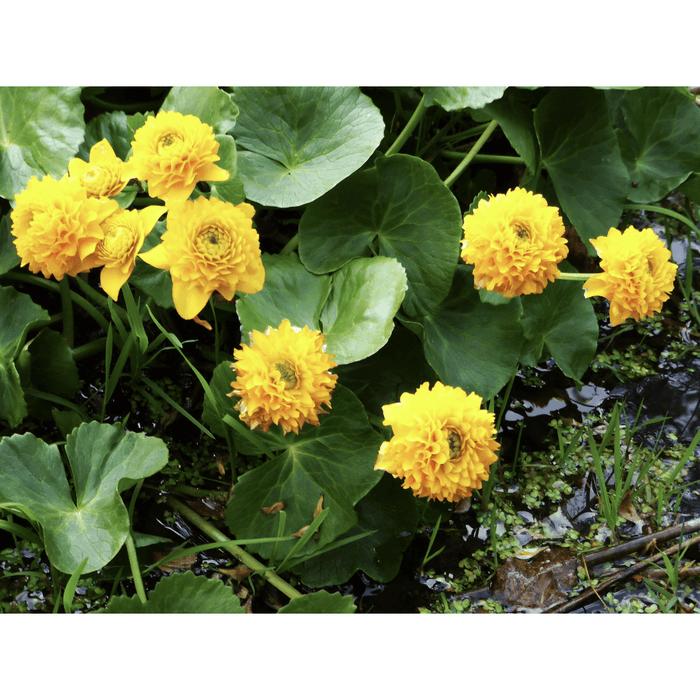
[208,246]
[514,241]
[102,176]
[637,275]
[283,377]
[443,442]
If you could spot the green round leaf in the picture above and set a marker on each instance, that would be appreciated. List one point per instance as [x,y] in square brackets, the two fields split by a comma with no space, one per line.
[212,105]
[104,460]
[230,190]
[111,126]
[41,129]
[471,344]
[335,460]
[453,98]
[320,602]
[300,142]
[290,292]
[358,317]
[563,320]
[181,593]
[659,135]
[8,251]
[581,154]
[402,203]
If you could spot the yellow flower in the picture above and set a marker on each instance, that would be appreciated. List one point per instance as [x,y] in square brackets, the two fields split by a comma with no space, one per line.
[56,225]
[443,442]
[208,246]
[514,241]
[124,234]
[637,277]
[102,176]
[173,152]
[283,377]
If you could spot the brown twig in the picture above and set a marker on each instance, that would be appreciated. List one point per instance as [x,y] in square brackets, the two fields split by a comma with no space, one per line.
[583,598]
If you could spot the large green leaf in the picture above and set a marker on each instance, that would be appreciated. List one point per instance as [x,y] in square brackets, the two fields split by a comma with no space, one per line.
[104,460]
[358,316]
[8,252]
[180,593]
[659,134]
[290,292]
[402,203]
[13,333]
[453,98]
[320,602]
[335,459]
[388,515]
[580,151]
[354,308]
[300,142]
[471,344]
[563,320]
[41,129]
[111,126]
[230,190]
[212,105]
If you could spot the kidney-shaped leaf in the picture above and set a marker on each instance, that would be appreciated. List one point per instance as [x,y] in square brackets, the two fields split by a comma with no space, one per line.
[453,98]
[402,203]
[301,141]
[471,344]
[335,460]
[41,129]
[211,105]
[320,602]
[104,460]
[358,316]
[181,593]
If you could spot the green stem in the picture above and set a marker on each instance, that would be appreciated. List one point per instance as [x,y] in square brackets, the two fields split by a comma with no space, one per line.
[89,349]
[135,571]
[408,129]
[237,552]
[661,210]
[292,244]
[486,158]
[449,180]
[583,276]
[67,308]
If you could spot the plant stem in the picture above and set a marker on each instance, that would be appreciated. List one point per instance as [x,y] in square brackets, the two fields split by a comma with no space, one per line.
[237,552]
[486,158]
[662,210]
[292,245]
[408,129]
[449,180]
[135,571]
[89,349]
[67,308]
[583,276]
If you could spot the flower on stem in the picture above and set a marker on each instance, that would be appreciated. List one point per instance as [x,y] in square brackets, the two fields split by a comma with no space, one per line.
[208,246]
[173,152]
[637,275]
[102,176]
[124,234]
[283,377]
[443,443]
[56,225]
[514,241]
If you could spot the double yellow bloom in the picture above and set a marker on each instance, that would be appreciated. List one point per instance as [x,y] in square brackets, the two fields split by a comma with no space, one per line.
[515,241]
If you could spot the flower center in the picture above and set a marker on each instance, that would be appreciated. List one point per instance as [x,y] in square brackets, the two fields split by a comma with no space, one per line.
[287,374]
[167,141]
[117,241]
[213,242]
[92,174]
[454,443]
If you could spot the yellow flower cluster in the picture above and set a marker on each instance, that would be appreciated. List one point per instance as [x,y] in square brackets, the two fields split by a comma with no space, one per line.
[516,240]
[283,377]
[443,443]
[637,273]
[72,225]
